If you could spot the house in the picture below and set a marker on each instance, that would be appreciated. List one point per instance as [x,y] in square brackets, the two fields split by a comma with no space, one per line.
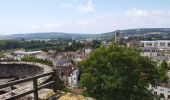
[87,51]
[163,91]
[132,44]
[20,54]
[75,56]
[63,62]
[73,78]
[159,44]
[67,71]
[44,56]
[158,50]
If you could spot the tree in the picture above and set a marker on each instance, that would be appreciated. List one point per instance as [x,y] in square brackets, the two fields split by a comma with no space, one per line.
[118,73]
[162,69]
[164,64]
[1,55]
[36,60]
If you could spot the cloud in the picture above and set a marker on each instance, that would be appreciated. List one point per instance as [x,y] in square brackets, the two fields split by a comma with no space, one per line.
[145,18]
[67,5]
[86,23]
[136,12]
[146,13]
[53,25]
[35,26]
[88,7]
[100,23]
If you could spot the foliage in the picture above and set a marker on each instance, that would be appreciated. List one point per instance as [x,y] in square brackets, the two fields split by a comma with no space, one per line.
[33,59]
[56,45]
[118,73]
[59,85]
[164,64]
[66,89]
[162,71]
[1,55]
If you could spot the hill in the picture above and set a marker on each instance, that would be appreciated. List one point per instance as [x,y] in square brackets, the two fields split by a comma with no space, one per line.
[49,35]
[141,31]
[109,35]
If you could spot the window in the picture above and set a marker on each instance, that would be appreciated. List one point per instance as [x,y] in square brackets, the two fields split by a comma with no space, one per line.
[168,44]
[162,95]
[154,86]
[162,89]
[153,50]
[155,93]
[149,44]
[168,96]
[142,44]
[162,44]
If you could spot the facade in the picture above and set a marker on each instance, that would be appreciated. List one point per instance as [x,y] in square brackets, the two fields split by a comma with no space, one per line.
[159,44]
[162,91]
[63,62]
[75,56]
[73,78]
[20,54]
[117,36]
[158,50]
[44,56]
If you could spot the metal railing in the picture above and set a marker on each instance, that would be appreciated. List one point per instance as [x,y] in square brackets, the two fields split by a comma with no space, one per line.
[36,87]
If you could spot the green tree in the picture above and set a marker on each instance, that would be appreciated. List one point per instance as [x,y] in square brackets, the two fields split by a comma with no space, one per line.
[36,60]
[162,69]
[164,64]
[118,73]
[1,55]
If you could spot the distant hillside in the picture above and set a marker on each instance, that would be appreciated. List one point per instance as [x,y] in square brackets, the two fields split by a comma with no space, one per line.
[141,31]
[49,35]
[109,35]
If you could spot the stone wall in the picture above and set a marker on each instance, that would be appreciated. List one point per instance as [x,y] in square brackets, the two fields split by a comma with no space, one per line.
[19,70]
[22,70]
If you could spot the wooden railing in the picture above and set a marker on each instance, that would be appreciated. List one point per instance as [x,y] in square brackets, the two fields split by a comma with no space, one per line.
[36,87]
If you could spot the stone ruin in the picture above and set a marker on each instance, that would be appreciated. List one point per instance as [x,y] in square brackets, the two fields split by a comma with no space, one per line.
[10,71]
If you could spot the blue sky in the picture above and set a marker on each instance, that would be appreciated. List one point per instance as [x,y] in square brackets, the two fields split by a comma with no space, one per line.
[81,16]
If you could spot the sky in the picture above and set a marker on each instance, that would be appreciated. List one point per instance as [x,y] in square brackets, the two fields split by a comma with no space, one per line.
[81,16]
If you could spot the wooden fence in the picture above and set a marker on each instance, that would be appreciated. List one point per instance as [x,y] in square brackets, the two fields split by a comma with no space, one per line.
[36,87]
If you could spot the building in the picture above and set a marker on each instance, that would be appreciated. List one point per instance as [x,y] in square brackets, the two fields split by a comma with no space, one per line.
[117,36]
[162,91]
[63,62]
[44,56]
[67,72]
[159,44]
[73,78]
[158,50]
[20,54]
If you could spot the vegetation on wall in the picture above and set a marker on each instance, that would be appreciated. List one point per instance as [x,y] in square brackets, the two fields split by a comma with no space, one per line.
[33,59]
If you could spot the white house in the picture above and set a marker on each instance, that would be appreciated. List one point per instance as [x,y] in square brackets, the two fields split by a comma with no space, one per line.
[44,56]
[159,44]
[20,54]
[87,51]
[155,49]
[162,91]
[73,78]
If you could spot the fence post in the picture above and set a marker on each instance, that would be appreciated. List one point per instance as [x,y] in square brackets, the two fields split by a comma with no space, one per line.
[35,86]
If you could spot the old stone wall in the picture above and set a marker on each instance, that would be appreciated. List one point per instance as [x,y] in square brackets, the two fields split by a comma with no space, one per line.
[19,70]
[22,70]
